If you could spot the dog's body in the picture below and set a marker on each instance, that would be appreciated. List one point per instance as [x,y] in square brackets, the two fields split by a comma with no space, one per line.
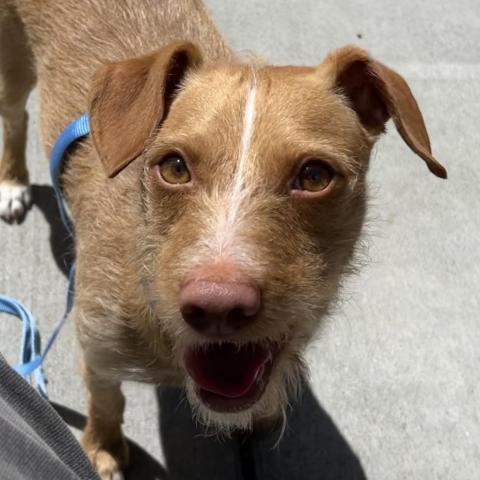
[259,255]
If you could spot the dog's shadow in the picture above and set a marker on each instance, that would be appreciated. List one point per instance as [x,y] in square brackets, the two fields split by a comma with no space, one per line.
[61,243]
[312,447]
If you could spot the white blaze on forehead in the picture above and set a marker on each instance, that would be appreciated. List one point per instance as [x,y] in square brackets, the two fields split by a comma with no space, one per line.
[246,140]
[229,213]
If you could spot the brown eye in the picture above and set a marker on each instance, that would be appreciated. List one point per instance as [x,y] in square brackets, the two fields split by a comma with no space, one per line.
[314,176]
[173,169]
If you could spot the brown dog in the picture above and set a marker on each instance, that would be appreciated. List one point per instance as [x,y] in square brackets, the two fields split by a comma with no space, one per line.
[216,204]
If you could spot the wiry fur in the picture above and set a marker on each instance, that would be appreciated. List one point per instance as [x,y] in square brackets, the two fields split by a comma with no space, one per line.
[244,129]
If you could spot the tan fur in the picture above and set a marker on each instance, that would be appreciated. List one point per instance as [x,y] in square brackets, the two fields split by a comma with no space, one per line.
[103,439]
[138,241]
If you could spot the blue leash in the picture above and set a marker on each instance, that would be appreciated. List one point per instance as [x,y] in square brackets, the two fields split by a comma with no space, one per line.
[31,357]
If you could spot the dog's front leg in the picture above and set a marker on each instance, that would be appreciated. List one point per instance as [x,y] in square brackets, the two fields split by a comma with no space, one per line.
[103,439]
[17,78]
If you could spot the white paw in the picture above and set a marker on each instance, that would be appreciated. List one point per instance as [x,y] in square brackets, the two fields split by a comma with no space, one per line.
[14,201]
[117,476]
[107,466]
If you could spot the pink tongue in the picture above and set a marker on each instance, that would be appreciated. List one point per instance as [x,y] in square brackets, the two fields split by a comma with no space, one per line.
[224,369]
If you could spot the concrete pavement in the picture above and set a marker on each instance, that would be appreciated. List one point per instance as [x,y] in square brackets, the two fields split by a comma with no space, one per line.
[395,375]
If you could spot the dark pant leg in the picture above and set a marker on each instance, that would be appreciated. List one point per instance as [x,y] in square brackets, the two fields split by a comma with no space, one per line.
[35,443]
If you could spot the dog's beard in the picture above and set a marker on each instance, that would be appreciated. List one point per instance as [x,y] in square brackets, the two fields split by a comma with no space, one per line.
[283,387]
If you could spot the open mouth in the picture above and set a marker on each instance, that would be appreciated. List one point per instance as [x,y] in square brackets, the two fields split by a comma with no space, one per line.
[230,377]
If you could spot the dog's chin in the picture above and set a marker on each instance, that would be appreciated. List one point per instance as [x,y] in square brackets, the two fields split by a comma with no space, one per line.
[232,386]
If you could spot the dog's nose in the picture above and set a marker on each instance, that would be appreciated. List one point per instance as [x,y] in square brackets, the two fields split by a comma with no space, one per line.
[219,309]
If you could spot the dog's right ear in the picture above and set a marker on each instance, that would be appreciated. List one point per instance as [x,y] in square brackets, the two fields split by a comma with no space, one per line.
[131,98]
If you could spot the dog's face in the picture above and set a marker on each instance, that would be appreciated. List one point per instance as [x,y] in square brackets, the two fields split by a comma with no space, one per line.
[253,199]
[255,184]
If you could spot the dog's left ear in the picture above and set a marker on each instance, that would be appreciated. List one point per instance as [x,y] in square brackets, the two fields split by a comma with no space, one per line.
[131,98]
[377,93]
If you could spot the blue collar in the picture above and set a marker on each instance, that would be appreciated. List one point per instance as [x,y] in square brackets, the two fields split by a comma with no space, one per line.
[75,130]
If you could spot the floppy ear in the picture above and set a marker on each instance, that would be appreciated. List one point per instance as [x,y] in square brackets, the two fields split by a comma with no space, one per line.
[377,93]
[131,98]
